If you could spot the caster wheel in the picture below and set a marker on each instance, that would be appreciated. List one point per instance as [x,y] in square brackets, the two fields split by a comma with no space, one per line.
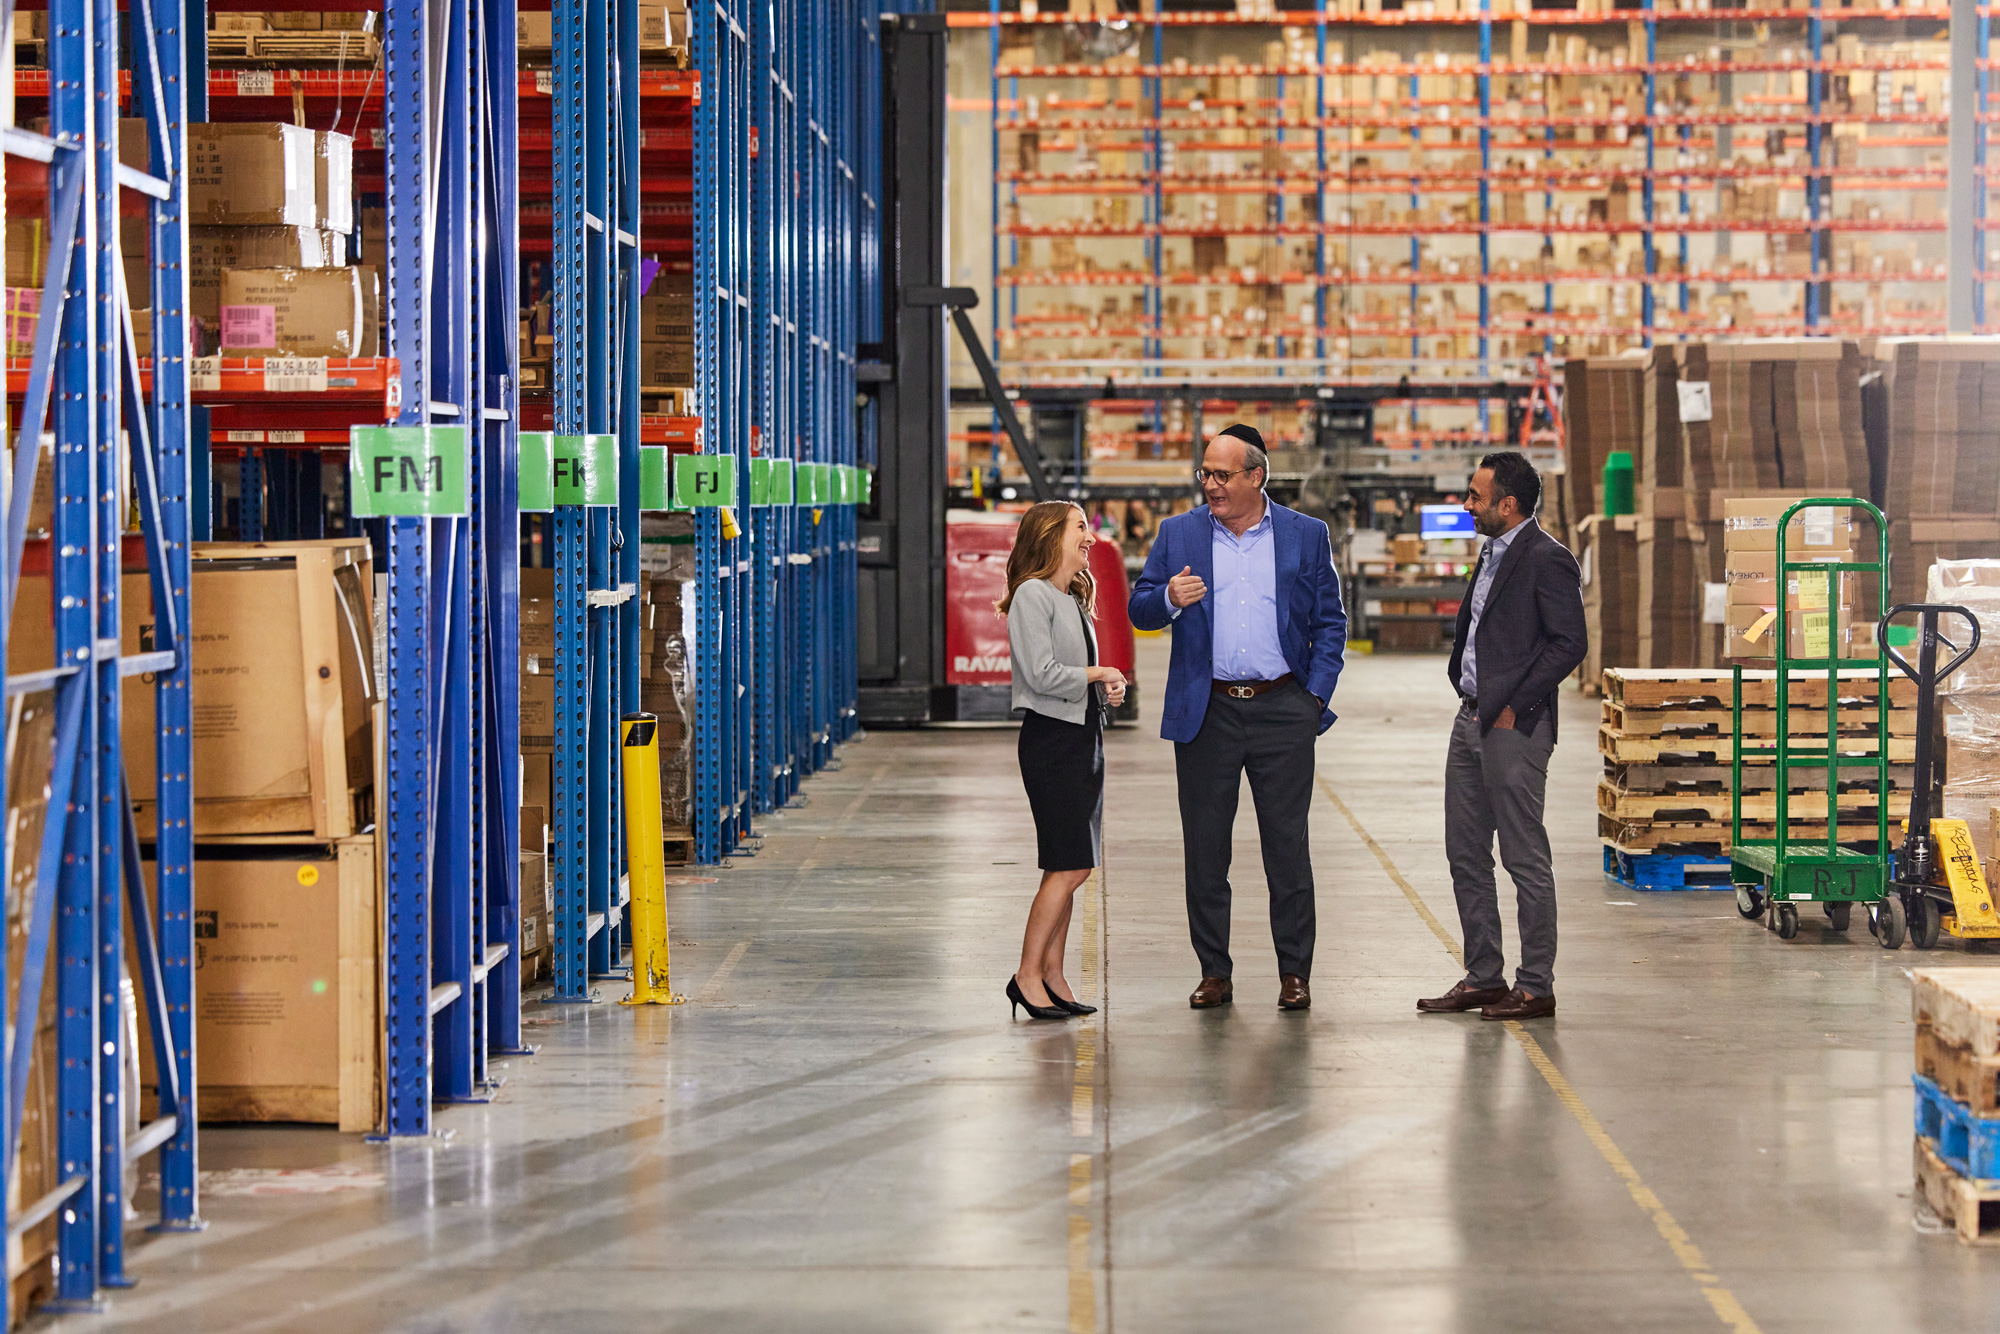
[1891,922]
[1788,921]
[1925,918]
[1749,902]
[1839,915]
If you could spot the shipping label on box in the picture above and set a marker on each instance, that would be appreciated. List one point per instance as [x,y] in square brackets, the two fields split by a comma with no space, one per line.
[1752,525]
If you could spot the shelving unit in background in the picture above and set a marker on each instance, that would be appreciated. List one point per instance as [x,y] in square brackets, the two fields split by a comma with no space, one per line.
[1346,197]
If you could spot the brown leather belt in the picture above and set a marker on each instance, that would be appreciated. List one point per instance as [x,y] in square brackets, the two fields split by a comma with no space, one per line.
[1247,689]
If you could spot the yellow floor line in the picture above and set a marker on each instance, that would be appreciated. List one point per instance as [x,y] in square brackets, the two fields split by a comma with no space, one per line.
[1727,1309]
[713,988]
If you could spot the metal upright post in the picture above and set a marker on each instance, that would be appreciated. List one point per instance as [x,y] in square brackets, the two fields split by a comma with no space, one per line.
[709,34]
[174,68]
[766,565]
[457,947]
[600,303]
[628,194]
[569,845]
[498,534]
[407,805]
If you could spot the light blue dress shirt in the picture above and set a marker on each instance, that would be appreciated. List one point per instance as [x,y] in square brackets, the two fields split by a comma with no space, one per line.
[1489,561]
[1244,603]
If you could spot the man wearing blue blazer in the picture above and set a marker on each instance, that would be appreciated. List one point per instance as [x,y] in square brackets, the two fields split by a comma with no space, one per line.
[1254,601]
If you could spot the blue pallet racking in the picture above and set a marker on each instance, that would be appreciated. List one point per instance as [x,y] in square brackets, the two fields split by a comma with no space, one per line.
[85,384]
[784,233]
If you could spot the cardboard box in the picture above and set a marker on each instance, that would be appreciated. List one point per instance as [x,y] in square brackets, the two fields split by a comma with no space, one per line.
[282,691]
[287,1000]
[1752,576]
[534,32]
[538,783]
[1751,633]
[538,712]
[1751,524]
[295,312]
[333,181]
[538,617]
[294,20]
[212,249]
[30,721]
[255,174]
[23,320]
[26,247]
[1406,549]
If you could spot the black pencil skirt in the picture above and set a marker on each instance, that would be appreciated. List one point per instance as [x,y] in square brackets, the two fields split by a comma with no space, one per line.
[1062,766]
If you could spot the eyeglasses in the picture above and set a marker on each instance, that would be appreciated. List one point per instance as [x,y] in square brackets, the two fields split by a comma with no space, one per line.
[1220,476]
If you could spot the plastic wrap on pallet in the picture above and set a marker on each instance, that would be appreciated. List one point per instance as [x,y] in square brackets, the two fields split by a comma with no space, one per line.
[1974,585]
[1971,714]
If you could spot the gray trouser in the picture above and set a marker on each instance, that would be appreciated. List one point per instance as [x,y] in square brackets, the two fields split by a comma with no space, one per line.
[1494,785]
[1271,738]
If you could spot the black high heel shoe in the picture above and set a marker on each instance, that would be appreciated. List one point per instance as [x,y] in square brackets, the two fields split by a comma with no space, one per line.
[1074,1007]
[1034,1011]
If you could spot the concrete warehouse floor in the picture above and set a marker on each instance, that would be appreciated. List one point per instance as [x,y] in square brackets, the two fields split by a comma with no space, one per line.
[843,1131]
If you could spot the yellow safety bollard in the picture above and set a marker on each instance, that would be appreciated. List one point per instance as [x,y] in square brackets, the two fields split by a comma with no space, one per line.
[645,861]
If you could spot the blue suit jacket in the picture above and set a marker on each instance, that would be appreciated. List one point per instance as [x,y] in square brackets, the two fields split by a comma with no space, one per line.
[1312,625]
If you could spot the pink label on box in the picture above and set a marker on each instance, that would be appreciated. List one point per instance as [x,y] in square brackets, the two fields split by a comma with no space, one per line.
[249,326]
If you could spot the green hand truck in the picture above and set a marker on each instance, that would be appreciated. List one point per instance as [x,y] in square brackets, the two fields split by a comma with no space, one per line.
[1785,871]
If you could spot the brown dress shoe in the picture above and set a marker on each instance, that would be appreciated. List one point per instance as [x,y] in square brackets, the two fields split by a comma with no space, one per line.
[1212,992]
[1520,1005]
[1293,993]
[1461,998]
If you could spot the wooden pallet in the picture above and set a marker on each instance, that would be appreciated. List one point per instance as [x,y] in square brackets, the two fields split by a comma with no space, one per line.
[1652,835]
[1667,777]
[294,49]
[1971,1207]
[1665,687]
[1634,720]
[1624,748]
[680,846]
[1973,1080]
[1715,806]
[1962,1005]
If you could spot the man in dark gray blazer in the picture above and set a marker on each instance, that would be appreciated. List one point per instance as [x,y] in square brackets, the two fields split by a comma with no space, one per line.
[1520,632]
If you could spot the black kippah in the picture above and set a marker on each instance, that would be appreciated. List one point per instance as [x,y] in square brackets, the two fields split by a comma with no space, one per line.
[1247,434]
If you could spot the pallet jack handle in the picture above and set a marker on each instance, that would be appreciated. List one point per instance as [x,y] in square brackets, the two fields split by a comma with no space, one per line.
[1925,673]
[1927,793]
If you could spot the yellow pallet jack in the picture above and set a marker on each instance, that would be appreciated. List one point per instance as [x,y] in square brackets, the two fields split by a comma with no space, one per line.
[1937,883]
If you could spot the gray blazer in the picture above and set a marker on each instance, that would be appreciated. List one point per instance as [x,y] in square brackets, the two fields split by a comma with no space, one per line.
[1045,636]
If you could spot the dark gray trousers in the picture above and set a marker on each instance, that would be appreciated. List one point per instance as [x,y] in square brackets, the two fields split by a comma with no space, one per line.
[1271,738]
[1494,785]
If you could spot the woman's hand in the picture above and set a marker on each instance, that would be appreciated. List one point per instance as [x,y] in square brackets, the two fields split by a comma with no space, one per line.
[1111,679]
[1114,695]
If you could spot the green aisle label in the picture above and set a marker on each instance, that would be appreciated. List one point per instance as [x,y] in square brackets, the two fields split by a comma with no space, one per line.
[867,486]
[653,493]
[408,472]
[586,469]
[847,490]
[770,481]
[537,477]
[704,480]
[815,484]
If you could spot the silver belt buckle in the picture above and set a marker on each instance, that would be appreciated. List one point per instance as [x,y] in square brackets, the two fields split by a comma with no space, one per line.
[1242,692]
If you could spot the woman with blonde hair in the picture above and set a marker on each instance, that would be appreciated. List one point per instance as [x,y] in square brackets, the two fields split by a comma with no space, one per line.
[1062,693]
